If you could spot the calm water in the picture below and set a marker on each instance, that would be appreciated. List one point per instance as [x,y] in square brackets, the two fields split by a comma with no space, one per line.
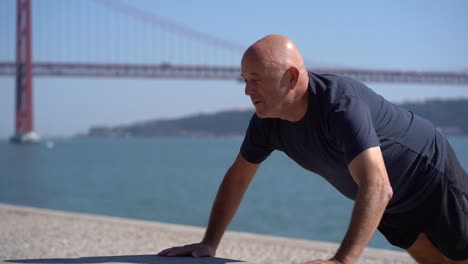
[175,180]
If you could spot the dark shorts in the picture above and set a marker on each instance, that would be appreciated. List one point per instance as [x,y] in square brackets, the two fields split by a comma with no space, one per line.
[443,216]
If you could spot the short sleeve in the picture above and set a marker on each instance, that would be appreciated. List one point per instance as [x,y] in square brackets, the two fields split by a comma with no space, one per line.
[256,146]
[351,124]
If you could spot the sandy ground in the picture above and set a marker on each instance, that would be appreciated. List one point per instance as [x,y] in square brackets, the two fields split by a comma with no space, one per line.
[32,235]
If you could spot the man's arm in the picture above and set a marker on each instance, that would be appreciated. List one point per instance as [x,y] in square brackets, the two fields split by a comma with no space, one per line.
[375,191]
[228,199]
[369,172]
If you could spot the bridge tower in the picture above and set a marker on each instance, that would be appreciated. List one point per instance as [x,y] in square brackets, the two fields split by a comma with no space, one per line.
[24,95]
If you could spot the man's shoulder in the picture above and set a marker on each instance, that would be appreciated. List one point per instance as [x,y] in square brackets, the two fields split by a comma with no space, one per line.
[263,123]
[333,90]
[330,78]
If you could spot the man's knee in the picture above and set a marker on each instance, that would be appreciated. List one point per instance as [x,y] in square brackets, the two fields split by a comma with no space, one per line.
[424,252]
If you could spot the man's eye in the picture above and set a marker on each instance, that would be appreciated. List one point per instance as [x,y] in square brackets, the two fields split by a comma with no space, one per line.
[252,81]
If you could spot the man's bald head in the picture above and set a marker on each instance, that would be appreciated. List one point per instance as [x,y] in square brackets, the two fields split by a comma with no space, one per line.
[275,52]
[276,79]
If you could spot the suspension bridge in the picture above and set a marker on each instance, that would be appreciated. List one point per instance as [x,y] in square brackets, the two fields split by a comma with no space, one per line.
[162,49]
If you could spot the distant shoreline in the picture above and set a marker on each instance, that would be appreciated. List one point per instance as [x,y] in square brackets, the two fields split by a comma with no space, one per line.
[449,116]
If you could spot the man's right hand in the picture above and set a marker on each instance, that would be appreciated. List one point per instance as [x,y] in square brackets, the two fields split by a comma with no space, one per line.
[228,199]
[196,250]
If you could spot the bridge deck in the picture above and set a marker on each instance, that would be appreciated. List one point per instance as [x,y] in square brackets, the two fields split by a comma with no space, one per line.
[171,71]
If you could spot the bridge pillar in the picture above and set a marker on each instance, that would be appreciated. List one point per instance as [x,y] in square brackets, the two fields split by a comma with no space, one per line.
[24,97]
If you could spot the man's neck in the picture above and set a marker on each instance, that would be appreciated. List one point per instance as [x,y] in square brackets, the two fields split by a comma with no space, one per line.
[298,109]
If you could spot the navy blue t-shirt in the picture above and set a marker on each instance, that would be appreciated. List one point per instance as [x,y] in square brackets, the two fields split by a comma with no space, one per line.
[344,118]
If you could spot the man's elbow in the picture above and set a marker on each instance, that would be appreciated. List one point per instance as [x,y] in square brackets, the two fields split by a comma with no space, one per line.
[388,192]
[379,191]
[385,191]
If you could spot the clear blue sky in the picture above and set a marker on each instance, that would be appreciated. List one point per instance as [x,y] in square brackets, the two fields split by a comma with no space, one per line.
[413,35]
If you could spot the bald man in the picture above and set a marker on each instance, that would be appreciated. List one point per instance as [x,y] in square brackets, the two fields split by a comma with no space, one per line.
[401,172]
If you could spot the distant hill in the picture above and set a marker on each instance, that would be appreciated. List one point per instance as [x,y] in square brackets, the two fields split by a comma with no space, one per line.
[450,116]
[222,124]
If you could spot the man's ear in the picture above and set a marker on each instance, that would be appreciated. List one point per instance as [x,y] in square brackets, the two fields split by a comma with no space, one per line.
[293,77]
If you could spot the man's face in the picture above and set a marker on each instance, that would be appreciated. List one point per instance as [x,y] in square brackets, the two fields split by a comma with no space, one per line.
[263,86]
